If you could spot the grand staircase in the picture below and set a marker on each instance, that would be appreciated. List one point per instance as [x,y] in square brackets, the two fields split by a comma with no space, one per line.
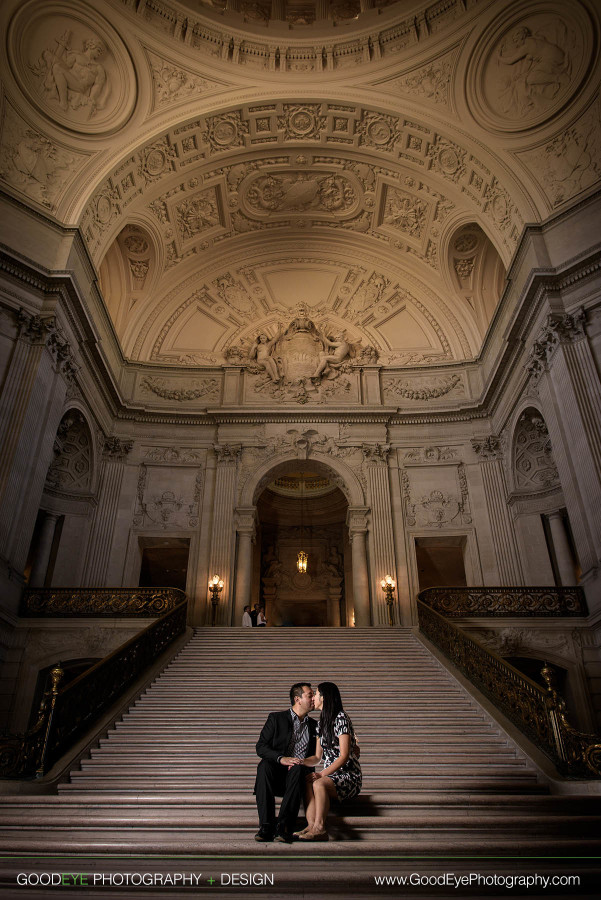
[175,775]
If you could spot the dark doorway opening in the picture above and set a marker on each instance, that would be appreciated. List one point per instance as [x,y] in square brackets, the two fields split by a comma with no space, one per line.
[440,561]
[164,562]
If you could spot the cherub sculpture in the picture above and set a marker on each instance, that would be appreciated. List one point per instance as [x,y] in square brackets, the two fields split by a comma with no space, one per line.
[261,350]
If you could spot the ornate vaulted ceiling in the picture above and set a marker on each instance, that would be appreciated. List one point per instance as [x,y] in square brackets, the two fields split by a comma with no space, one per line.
[225,166]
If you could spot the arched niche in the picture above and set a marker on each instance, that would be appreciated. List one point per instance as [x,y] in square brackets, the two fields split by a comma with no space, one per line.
[533,464]
[72,469]
[476,272]
[128,272]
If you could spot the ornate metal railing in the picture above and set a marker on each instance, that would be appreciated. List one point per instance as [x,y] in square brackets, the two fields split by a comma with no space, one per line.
[506,601]
[67,713]
[74,602]
[540,713]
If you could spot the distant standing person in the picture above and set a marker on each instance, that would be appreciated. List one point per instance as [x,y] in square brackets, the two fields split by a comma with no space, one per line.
[261,620]
[247,622]
[254,614]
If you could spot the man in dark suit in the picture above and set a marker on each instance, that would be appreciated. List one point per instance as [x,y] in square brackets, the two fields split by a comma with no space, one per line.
[286,739]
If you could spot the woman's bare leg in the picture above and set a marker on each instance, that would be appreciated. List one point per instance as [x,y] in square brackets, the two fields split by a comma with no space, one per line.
[323,790]
[309,807]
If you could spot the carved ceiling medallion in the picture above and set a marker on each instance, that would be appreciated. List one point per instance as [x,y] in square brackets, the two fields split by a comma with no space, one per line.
[527,67]
[72,66]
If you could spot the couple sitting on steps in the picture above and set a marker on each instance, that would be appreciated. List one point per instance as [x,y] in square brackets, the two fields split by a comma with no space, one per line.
[290,745]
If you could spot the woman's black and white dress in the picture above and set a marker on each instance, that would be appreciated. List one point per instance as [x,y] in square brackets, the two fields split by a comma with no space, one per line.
[347,779]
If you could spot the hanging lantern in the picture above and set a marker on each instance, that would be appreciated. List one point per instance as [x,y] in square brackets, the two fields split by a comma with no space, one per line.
[301,562]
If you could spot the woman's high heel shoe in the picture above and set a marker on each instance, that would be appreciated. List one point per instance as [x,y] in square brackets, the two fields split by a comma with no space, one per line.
[314,836]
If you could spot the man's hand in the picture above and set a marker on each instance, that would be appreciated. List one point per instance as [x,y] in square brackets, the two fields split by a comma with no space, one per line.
[314,776]
[290,761]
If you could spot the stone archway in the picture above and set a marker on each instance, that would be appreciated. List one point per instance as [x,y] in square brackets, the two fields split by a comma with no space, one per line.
[346,480]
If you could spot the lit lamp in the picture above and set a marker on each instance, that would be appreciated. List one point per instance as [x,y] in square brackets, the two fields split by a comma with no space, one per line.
[301,562]
[215,587]
[302,558]
[388,587]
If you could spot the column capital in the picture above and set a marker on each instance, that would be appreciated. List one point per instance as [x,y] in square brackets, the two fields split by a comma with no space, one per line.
[559,329]
[488,447]
[356,519]
[35,328]
[375,454]
[227,453]
[246,520]
[116,448]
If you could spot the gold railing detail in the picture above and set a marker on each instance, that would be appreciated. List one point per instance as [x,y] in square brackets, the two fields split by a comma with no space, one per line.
[506,601]
[38,602]
[65,715]
[539,713]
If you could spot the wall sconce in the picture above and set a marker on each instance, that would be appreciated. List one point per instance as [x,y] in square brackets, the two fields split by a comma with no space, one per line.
[215,587]
[388,587]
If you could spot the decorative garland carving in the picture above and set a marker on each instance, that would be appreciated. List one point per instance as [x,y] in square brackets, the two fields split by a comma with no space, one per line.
[432,390]
[208,388]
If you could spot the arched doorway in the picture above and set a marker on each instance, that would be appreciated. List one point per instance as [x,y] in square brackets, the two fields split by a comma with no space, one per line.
[249,563]
[302,511]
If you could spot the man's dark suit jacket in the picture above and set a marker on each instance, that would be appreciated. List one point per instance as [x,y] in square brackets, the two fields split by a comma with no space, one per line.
[275,736]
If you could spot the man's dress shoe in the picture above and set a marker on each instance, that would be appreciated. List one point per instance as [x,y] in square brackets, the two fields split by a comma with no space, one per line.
[265,833]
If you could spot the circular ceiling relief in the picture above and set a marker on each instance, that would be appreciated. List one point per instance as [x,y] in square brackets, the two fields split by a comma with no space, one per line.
[72,66]
[527,67]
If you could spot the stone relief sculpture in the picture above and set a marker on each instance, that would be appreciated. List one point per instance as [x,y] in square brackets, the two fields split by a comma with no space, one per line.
[74,77]
[534,67]
[303,361]
[32,163]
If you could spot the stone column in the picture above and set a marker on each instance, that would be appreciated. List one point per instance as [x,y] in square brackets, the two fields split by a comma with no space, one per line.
[564,372]
[382,556]
[42,551]
[561,546]
[490,453]
[356,520]
[246,527]
[31,405]
[333,602]
[278,10]
[114,454]
[223,535]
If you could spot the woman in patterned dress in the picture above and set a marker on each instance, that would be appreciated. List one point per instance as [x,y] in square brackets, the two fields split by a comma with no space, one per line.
[341,776]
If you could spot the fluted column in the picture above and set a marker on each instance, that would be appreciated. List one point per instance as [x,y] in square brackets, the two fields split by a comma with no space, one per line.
[115,452]
[382,557]
[245,526]
[43,549]
[223,533]
[490,453]
[564,372]
[31,404]
[561,546]
[357,525]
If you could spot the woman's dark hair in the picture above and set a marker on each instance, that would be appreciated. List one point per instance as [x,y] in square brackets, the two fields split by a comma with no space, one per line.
[332,705]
